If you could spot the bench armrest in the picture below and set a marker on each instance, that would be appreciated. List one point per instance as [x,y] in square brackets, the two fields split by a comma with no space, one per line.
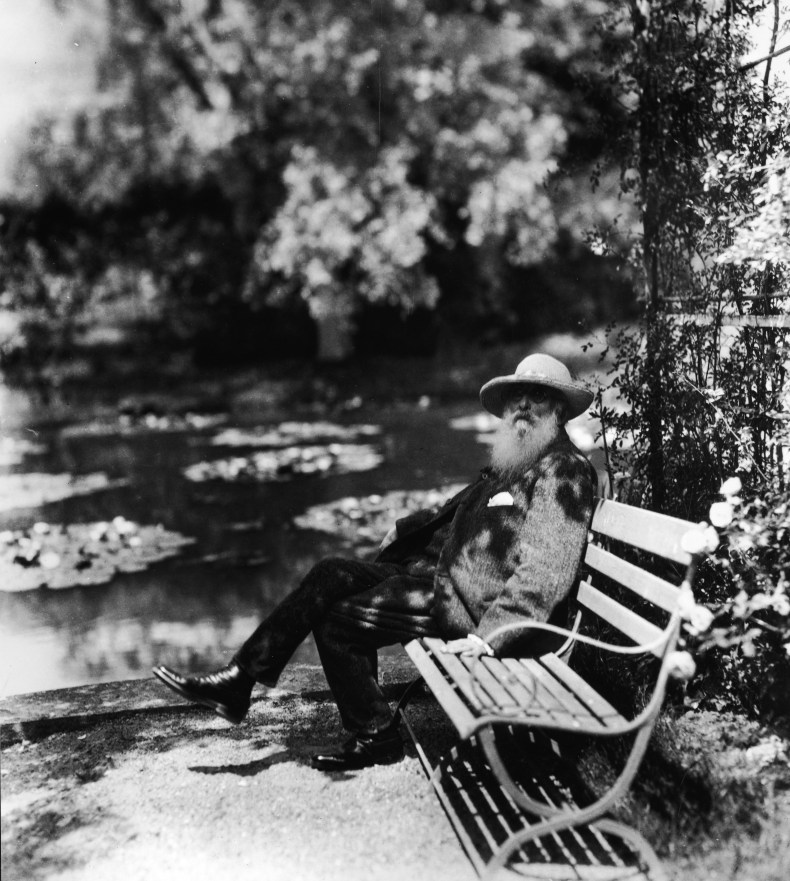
[656,646]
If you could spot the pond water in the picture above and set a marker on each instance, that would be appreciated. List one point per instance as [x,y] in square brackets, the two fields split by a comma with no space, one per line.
[193,610]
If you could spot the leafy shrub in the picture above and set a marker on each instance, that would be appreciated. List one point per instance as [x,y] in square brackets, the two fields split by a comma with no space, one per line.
[741,631]
[698,390]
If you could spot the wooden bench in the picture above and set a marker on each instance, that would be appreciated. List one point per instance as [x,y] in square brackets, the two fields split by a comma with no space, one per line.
[510,801]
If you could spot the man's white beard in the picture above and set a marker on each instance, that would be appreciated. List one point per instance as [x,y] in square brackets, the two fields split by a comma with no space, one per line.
[519,444]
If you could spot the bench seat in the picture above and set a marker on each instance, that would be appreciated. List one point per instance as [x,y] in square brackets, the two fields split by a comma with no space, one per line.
[542,692]
[628,585]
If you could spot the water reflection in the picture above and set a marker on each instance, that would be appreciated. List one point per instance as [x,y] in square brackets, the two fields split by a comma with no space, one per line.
[192,612]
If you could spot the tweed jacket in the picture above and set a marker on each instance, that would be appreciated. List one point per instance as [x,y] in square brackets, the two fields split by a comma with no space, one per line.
[511,547]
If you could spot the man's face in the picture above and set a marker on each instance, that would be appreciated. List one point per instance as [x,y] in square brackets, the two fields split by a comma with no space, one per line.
[527,405]
[531,419]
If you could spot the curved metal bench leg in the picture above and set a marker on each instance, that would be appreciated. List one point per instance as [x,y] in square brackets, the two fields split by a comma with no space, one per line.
[554,819]
[433,772]
[491,751]
[632,837]
[539,809]
[559,824]
[408,694]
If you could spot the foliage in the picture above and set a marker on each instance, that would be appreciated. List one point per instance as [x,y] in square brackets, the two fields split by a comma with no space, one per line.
[698,391]
[58,557]
[363,522]
[31,490]
[703,395]
[273,465]
[743,623]
[13,450]
[761,233]
[145,422]
[288,433]
[335,239]
[336,154]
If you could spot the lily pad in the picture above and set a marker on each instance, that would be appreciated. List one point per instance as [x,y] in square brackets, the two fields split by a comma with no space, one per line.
[13,450]
[481,422]
[289,433]
[366,520]
[275,465]
[146,423]
[485,424]
[35,489]
[57,556]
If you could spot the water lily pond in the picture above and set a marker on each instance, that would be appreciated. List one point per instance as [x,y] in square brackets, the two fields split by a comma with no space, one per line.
[126,543]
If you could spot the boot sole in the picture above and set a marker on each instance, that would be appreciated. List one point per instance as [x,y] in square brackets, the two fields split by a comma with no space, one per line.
[334,767]
[219,708]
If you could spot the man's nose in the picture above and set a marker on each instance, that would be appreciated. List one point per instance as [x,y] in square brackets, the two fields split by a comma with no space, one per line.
[523,400]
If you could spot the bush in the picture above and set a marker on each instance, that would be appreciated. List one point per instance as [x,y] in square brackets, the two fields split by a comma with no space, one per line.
[741,630]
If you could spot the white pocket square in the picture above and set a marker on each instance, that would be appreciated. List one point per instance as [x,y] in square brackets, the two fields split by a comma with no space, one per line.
[500,499]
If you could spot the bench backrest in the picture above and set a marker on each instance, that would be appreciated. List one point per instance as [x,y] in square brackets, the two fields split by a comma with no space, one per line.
[649,599]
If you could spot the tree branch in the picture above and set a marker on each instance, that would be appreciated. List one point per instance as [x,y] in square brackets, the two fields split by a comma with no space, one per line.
[192,79]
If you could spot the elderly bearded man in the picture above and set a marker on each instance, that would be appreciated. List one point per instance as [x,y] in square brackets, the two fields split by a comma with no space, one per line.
[505,549]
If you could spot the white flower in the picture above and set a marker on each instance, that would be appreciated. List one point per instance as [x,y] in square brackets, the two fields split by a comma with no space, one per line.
[686,602]
[49,560]
[711,540]
[721,514]
[699,541]
[681,665]
[731,487]
[98,531]
[701,618]
[742,543]
[782,605]
[123,526]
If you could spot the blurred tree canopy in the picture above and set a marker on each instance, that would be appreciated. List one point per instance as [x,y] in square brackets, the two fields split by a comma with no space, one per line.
[327,160]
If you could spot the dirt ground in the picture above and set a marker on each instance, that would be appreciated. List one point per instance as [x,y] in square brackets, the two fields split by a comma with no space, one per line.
[181,795]
[187,796]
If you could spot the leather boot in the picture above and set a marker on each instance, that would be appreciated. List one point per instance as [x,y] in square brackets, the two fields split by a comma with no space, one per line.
[226,691]
[362,751]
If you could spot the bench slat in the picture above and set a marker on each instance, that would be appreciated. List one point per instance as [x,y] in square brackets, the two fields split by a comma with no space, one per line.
[547,699]
[597,704]
[458,713]
[543,701]
[486,677]
[456,671]
[632,625]
[644,584]
[581,714]
[512,685]
[647,530]
[483,690]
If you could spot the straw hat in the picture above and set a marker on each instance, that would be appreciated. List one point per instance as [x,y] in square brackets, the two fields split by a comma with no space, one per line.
[538,370]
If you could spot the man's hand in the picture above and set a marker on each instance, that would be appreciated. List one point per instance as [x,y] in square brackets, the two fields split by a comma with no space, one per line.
[469,646]
[389,538]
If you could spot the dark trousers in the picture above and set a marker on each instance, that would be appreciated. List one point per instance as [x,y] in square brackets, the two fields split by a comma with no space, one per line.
[353,609]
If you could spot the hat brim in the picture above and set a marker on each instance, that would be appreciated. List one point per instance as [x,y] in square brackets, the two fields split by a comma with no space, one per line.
[492,393]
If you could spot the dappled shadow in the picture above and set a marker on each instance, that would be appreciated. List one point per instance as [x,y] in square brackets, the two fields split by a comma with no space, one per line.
[576,481]
[247,769]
